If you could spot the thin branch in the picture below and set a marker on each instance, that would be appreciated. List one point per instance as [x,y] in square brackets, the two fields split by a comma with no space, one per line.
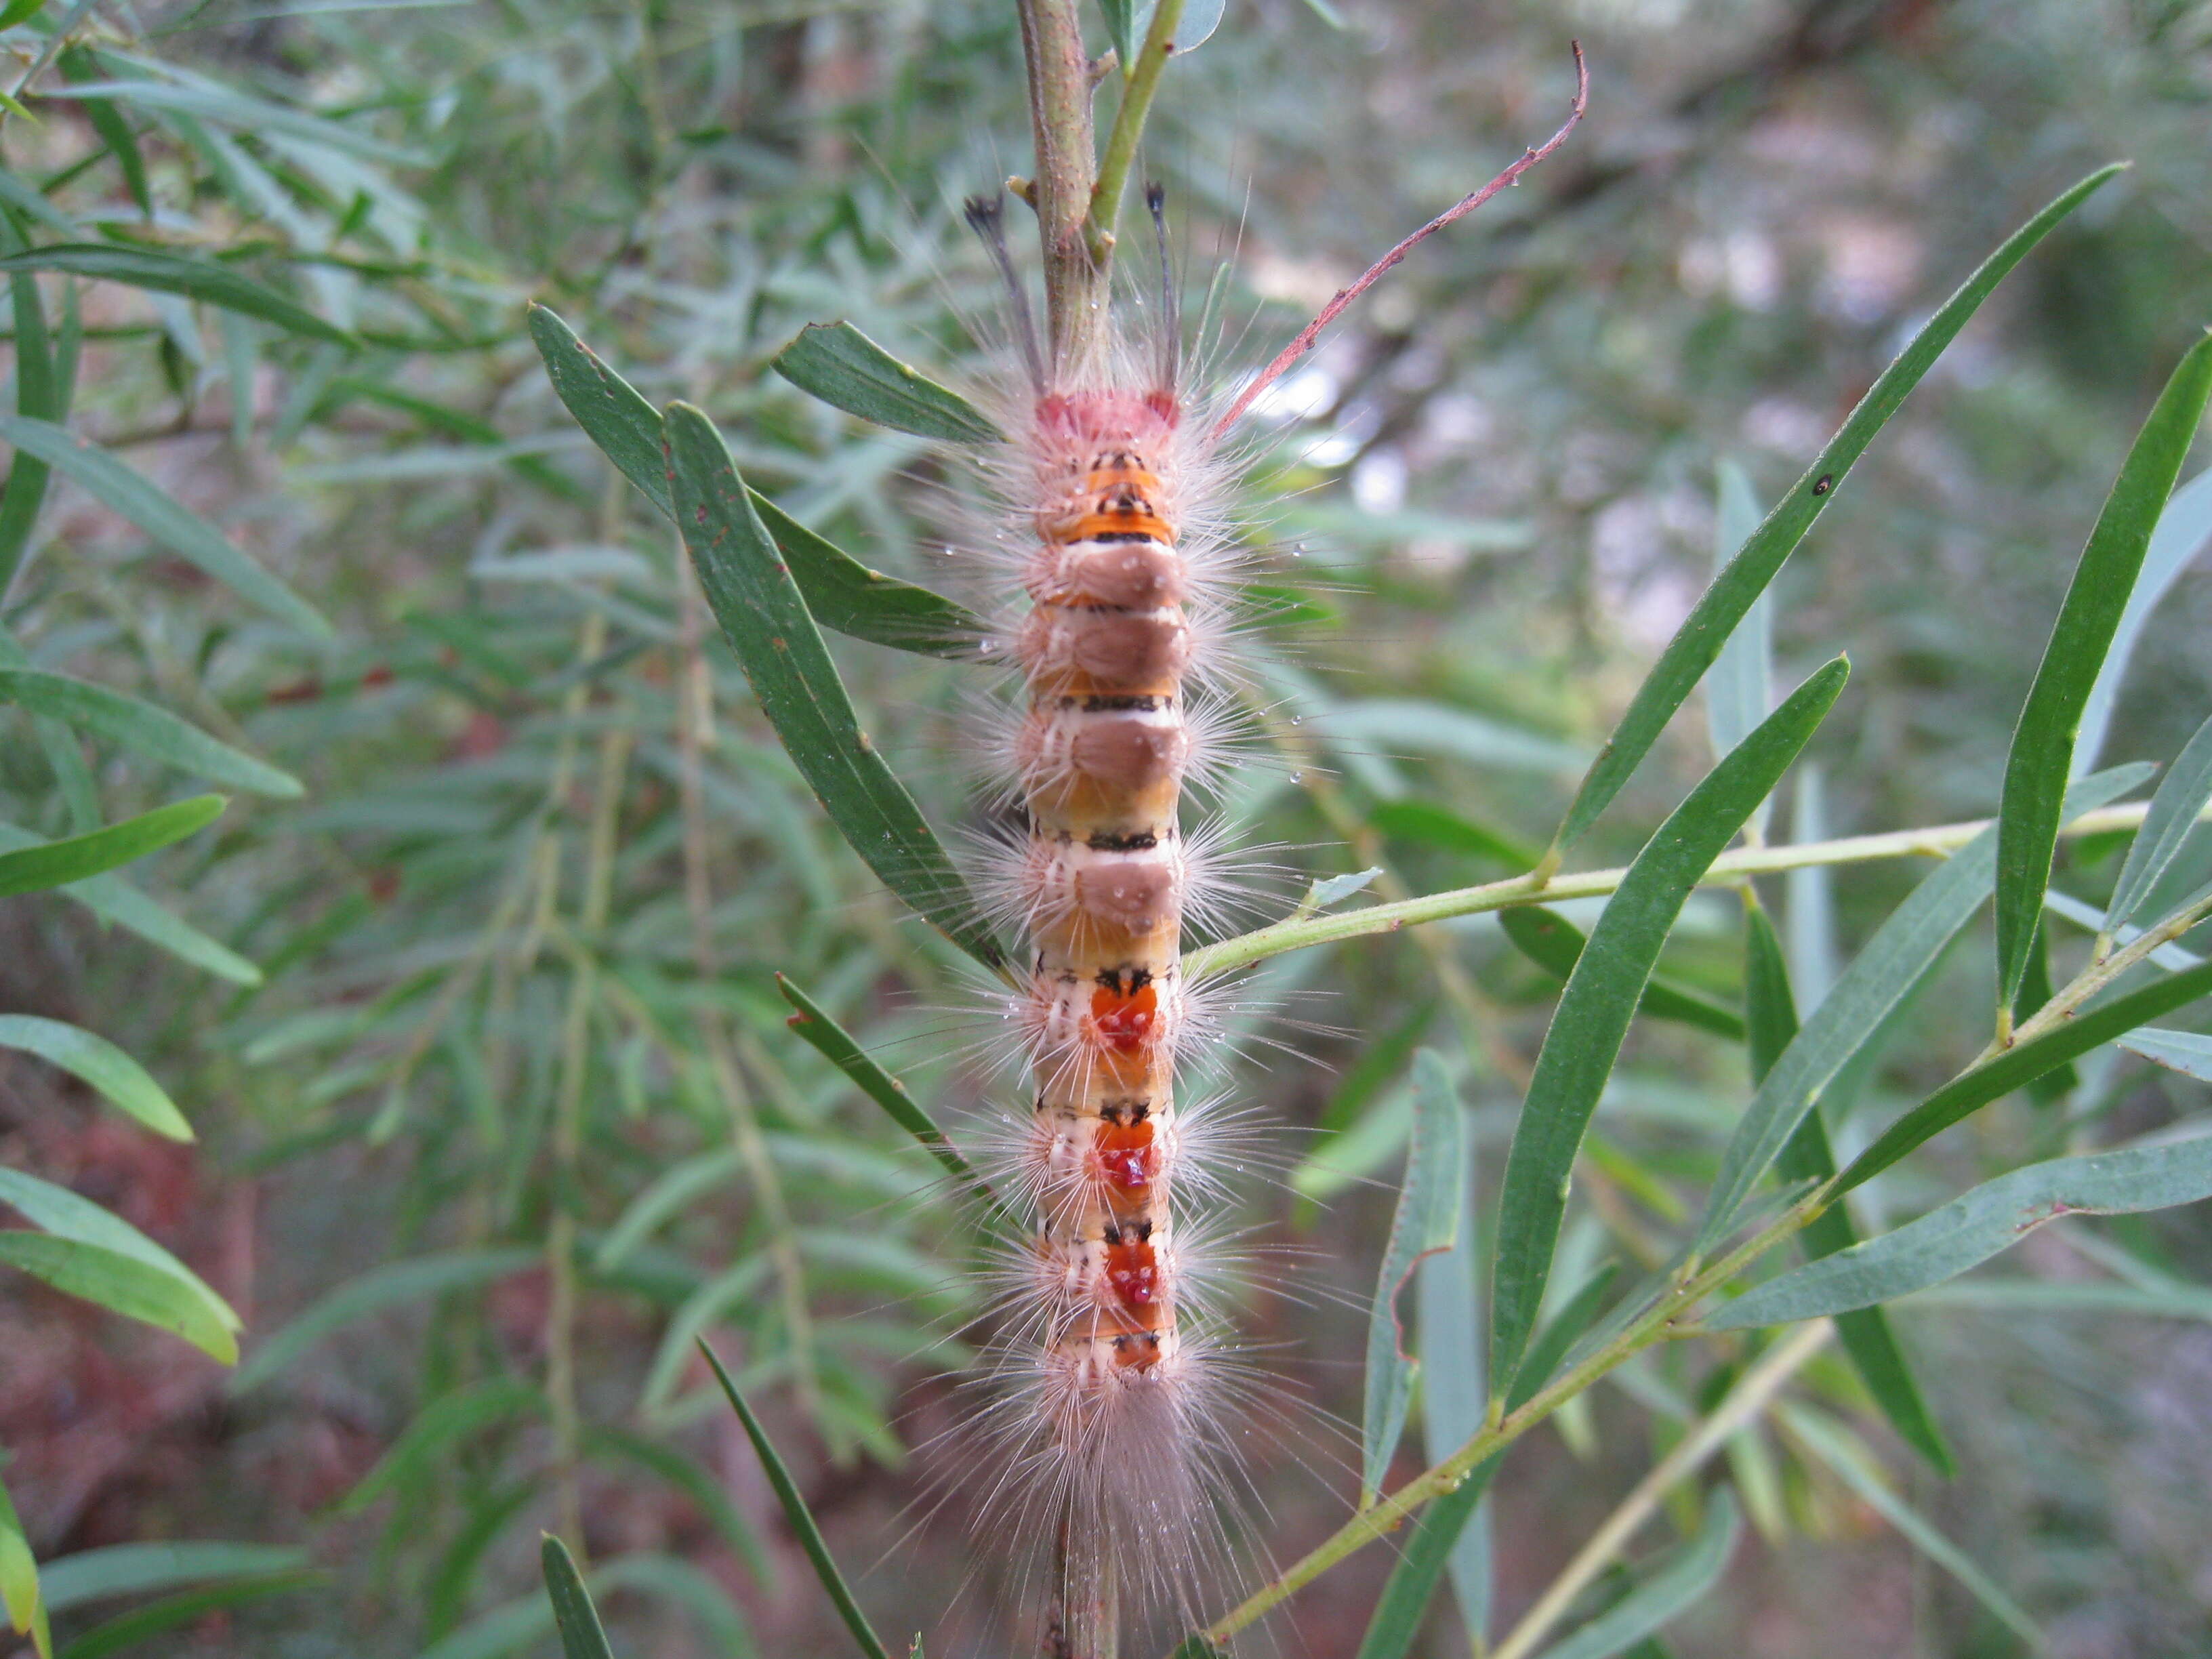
[1379,1520]
[1329,312]
[1938,840]
[1128,128]
[1066,171]
[1752,1394]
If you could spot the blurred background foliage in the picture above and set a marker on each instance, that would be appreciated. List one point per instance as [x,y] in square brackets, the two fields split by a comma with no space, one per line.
[511,1113]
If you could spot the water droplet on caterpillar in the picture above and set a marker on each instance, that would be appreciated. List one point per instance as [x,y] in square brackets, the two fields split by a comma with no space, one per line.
[1297,719]
[1297,777]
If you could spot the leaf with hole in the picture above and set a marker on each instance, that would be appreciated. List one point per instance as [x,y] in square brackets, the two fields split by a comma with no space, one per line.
[1425,1222]
[762,615]
[1601,998]
[1723,606]
[2042,754]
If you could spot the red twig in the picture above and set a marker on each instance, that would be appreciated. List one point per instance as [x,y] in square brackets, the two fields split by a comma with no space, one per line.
[1335,308]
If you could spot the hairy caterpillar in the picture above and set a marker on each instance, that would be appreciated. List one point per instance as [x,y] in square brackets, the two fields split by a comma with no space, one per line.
[1109,1430]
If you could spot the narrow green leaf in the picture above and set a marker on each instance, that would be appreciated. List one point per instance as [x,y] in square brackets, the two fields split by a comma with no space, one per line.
[1739,688]
[56,863]
[1874,1350]
[2185,528]
[37,398]
[195,279]
[438,1430]
[184,532]
[664,1197]
[766,622]
[1877,981]
[1403,1608]
[1671,1586]
[121,1080]
[847,370]
[1441,1529]
[72,1217]
[130,1629]
[795,1511]
[1555,945]
[1126,22]
[613,413]
[2174,810]
[1433,826]
[2022,1064]
[2042,754]
[842,592]
[390,1286]
[114,899]
[121,1284]
[835,1044]
[863,603]
[1576,1314]
[2189,1053]
[1448,1308]
[142,1569]
[1424,1223]
[1833,1445]
[1723,606]
[19,1579]
[1975,1226]
[1601,998]
[582,1636]
[141,726]
[702,1486]
[79,65]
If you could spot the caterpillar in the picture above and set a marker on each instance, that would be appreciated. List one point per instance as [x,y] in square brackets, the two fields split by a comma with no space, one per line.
[1111,1432]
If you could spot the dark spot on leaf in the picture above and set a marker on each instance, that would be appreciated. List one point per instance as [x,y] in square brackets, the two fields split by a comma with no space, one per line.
[1824,483]
[702,515]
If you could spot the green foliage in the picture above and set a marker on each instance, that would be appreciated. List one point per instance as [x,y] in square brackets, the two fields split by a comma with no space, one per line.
[492,1007]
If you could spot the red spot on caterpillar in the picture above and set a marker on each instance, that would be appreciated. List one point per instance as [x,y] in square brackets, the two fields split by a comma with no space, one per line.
[1122,1020]
[1125,1155]
[1133,1273]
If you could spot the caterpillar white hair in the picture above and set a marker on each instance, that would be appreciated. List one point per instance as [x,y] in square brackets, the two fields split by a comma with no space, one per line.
[1110,1427]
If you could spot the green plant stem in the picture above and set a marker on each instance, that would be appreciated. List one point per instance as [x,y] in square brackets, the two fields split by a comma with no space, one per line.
[1938,841]
[1752,1394]
[1138,86]
[2103,970]
[1655,1324]
[1066,171]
